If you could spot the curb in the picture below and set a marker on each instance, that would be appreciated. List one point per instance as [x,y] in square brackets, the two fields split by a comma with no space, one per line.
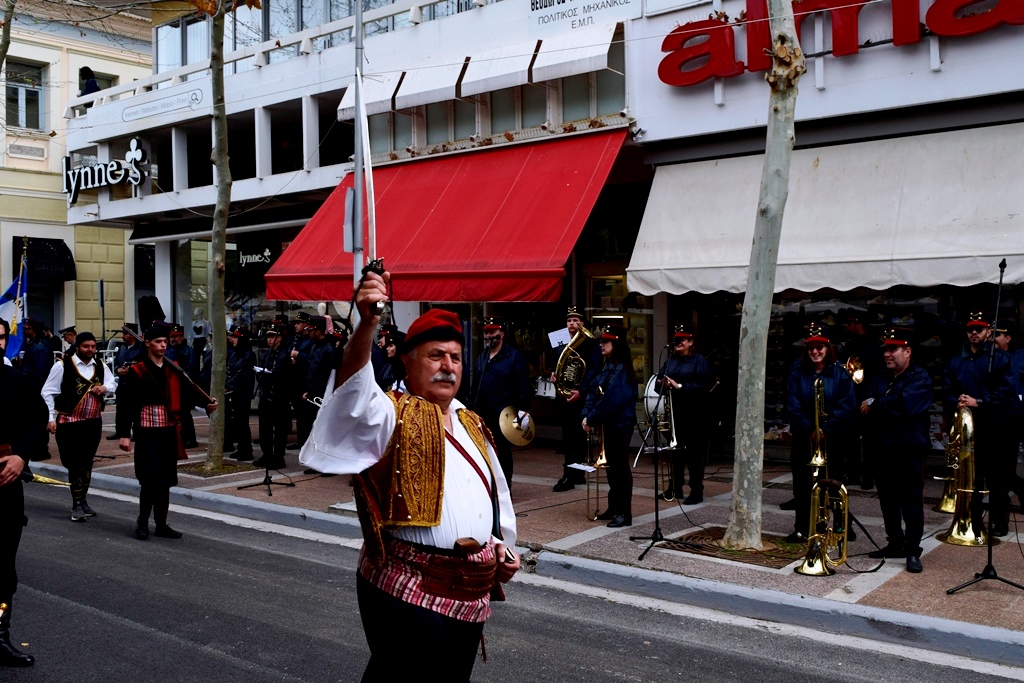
[973,641]
[310,520]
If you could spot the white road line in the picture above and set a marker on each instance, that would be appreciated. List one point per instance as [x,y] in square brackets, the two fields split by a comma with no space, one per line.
[819,637]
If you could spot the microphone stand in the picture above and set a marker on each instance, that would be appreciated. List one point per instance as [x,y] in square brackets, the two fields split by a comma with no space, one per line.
[656,536]
[989,572]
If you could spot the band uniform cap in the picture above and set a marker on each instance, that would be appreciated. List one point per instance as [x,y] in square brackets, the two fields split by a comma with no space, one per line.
[33,323]
[158,330]
[280,319]
[896,336]
[177,330]
[1007,328]
[816,334]
[302,317]
[132,326]
[681,331]
[318,322]
[436,324]
[613,333]
[85,337]
[575,312]
[493,322]
[272,330]
[977,319]
[241,332]
[386,330]
[66,330]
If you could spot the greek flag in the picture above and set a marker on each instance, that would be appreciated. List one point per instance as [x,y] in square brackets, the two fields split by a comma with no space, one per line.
[12,309]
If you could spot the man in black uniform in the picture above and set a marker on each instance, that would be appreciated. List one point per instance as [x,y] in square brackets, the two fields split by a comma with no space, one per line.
[127,355]
[181,353]
[239,386]
[150,399]
[74,394]
[35,366]
[574,439]
[989,395]
[18,407]
[68,334]
[499,380]
[301,347]
[897,426]
[864,349]
[274,410]
[1005,337]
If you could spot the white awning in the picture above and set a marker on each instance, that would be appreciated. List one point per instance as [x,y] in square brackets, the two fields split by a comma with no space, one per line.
[923,211]
[428,84]
[498,69]
[378,91]
[568,54]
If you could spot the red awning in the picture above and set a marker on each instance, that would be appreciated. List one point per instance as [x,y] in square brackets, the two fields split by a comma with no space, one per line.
[490,225]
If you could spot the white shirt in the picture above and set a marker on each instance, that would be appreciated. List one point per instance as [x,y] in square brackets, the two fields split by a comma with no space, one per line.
[51,388]
[7,361]
[352,431]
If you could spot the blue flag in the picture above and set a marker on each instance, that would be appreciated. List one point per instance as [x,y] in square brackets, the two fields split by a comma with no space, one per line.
[13,310]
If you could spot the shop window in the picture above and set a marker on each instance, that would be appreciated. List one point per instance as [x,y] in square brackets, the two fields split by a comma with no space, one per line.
[465,119]
[24,95]
[402,130]
[504,110]
[437,123]
[380,133]
[576,97]
[534,105]
[281,20]
[168,47]
[611,82]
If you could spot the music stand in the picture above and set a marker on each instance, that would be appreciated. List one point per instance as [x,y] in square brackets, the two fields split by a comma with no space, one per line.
[269,482]
[656,536]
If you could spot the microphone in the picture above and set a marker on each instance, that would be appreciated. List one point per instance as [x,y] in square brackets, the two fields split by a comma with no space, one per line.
[668,346]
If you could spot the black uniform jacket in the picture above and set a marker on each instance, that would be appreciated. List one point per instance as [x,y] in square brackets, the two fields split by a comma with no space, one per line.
[898,417]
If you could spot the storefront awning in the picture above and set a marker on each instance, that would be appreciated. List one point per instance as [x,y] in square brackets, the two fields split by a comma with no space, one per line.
[568,54]
[378,91]
[489,225]
[428,84]
[505,67]
[48,261]
[922,211]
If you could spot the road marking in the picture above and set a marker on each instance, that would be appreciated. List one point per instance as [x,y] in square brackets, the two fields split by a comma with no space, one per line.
[820,637]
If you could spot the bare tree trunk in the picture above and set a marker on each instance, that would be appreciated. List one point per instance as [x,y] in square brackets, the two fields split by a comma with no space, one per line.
[219,157]
[5,35]
[744,530]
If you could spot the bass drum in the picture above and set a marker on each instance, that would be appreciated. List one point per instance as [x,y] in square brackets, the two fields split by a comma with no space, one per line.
[653,402]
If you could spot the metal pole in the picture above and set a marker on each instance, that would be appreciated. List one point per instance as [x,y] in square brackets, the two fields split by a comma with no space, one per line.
[357,205]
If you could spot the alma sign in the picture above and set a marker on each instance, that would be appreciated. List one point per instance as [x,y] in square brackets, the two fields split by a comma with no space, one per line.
[716,54]
[74,180]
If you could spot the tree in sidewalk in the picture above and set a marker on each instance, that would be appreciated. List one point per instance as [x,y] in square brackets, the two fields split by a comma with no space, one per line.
[744,528]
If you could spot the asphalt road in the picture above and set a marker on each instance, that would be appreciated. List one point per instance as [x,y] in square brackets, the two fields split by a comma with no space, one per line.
[234,601]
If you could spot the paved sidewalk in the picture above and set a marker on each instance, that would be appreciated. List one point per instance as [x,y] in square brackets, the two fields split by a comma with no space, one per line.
[984,621]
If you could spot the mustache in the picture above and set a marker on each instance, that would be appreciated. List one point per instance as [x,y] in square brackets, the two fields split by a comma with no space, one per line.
[442,376]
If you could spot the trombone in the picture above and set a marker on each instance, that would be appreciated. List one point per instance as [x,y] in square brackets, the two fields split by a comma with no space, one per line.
[598,463]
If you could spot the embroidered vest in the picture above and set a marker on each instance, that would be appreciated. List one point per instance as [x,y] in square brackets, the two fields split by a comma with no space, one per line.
[405,487]
[73,387]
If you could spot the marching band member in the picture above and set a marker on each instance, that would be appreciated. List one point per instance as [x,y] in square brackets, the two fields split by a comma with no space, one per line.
[897,413]
[611,404]
[74,395]
[430,498]
[574,439]
[688,376]
[818,362]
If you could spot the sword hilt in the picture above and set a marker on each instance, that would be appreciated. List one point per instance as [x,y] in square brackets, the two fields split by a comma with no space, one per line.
[375,266]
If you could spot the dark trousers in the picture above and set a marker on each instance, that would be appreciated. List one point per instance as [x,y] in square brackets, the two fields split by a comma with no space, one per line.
[620,474]
[899,477]
[305,415]
[504,448]
[275,426]
[155,500]
[574,440]
[410,643]
[237,426]
[188,425]
[799,457]
[12,521]
[691,453]
[77,443]
[995,444]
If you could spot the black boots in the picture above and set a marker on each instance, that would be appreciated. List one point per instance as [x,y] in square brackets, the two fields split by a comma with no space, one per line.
[10,655]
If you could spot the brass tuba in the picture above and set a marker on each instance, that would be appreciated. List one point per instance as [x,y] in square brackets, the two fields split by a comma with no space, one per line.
[960,457]
[827,541]
[855,367]
[571,367]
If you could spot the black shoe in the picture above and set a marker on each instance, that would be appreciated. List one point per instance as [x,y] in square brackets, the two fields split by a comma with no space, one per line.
[620,520]
[164,531]
[693,499]
[77,513]
[114,437]
[788,504]
[851,535]
[796,537]
[563,484]
[142,532]
[606,515]
[243,457]
[89,512]
[260,461]
[1001,533]
[890,551]
[191,444]
[293,446]
[867,483]
[12,656]
[914,564]
[272,464]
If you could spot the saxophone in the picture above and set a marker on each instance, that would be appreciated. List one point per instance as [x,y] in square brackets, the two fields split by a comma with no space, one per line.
[571,367]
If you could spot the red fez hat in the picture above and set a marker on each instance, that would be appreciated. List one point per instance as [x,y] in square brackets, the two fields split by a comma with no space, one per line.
[435,325]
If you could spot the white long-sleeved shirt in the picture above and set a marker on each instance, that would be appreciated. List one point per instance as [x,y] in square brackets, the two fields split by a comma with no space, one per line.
[51,388]
[351,433]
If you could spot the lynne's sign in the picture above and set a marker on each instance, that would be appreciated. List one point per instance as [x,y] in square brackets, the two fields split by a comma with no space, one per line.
[104,175]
